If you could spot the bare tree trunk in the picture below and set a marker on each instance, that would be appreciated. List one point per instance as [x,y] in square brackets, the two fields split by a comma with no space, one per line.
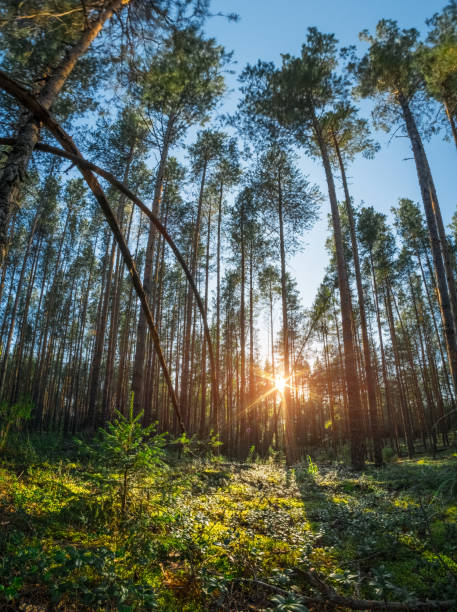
[254,412]
[389,405]
[435,324]
[291,442]
[218,297]
[95,414]
[331,399]
[352,381]
[107,401]
[451,120]
[242,404]
[430,206]
[370,379]
[203,363]
[185,386]
[140,352]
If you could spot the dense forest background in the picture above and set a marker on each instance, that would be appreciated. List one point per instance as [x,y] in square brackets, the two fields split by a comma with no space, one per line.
[138,87]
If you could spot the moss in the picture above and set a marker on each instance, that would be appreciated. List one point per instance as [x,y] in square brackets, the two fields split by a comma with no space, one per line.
[196,532]
[338,499]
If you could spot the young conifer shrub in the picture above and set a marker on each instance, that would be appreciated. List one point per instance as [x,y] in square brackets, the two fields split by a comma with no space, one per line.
[127,452]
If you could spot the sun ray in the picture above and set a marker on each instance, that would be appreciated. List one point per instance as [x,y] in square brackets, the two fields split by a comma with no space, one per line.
[280,384]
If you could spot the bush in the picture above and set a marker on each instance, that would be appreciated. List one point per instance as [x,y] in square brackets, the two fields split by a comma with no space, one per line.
[12,416]
[307,472]
[198,446]
[448,483]
[388,454]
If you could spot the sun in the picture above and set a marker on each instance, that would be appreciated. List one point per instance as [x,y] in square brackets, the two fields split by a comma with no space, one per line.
[280,384]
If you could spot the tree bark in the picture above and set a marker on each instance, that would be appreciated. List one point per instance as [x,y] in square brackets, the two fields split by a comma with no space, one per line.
[370,379]
[140,352]
[352,382]
[424,177]
[290,438]
[451,120]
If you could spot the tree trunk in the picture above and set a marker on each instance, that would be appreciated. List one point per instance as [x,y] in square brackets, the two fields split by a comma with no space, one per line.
[218,293]
[203,366]
[254,412]
[242,404]
[403,400]
[370,379]
[352,382]
[185,383]
[423,175]
[390,412]
[451,120]
[140,352]
[290,439]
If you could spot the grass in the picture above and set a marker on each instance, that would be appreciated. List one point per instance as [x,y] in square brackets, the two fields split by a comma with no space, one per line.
[204,535]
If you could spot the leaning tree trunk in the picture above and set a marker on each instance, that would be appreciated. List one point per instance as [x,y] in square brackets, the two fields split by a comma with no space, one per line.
[350,363]
[86,168]
[15,166]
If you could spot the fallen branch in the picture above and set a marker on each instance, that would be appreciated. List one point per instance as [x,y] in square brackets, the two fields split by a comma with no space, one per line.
[331,596]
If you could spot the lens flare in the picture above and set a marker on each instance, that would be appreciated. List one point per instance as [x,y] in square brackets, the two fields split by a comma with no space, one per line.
[280,384]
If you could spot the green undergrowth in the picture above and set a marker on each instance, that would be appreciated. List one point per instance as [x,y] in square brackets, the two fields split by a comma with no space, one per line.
[211,535]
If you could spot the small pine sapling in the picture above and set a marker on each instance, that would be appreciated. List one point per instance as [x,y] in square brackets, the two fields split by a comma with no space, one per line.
[129,450]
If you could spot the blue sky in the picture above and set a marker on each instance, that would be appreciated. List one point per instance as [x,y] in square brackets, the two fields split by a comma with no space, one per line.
[268,28]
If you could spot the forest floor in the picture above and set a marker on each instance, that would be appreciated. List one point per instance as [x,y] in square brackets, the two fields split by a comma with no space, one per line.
[211,535]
